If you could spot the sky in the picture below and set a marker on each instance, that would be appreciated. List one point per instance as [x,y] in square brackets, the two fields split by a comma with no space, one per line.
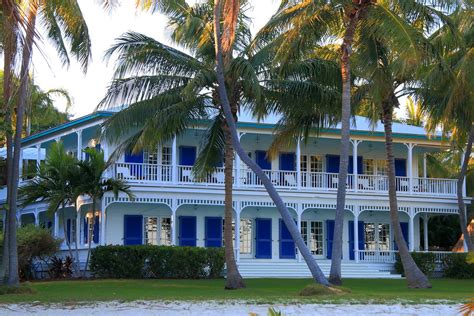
[88,89]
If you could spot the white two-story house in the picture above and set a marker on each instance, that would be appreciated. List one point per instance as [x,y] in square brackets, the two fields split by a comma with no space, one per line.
[172,208]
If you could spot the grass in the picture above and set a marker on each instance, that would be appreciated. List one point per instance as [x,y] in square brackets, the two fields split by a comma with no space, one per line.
[257,291]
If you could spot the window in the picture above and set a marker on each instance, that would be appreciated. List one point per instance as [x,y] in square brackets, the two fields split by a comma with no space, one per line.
[377,236]
[370,241]
[246,236]
[368,166]
[72,230]
[382,167]
[166,155]
[150,230]
[304,232]
[316,238]
[165,231]
[316,164]
[384,236]
[151,158]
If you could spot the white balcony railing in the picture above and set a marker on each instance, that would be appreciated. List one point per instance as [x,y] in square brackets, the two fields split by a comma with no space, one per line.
[310,181]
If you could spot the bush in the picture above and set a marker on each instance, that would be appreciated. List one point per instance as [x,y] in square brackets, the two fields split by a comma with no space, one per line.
[456,266]
[33,243]
[424,260]
[156,262]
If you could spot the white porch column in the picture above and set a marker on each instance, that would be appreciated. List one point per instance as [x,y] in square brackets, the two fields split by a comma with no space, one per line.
[298,223]
[78,227]
[103,219]
[411,231]
[174,159]
[355,167]
[356,233]
[79,144]
[425,232]
[464,182]
[21,164]
[174,223]
[237,231]
[56,224]
[410,147]
[38,155]
[298,163]
[37,222]
[425,169]
[238,166]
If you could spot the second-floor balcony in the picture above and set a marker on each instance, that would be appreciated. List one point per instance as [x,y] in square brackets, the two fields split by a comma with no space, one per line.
[288,180]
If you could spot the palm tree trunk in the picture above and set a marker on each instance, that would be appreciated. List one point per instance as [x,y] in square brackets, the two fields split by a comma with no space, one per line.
[13,278]
[460,184]
[90,228]
[9,48]
[346,47]
[414,276]
[234,279]
[316,272]
[76,244]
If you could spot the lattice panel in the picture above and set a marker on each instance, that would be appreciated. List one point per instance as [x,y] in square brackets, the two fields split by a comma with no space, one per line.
[265,204]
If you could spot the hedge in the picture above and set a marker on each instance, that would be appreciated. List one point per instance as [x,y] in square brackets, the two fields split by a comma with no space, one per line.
[138,262]
[424,260]
[456,266]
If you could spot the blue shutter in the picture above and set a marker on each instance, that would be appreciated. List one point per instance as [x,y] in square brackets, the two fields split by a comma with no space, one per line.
[262,161]
[86,231]
[135,158]
[360,165]
[400,167]
[287,245]
[133,229]
[352,238]
[213,231]
[329,236]
[68,231]
[332,163]
[187,231]
[98,147]
[287,161]
[404,226]
[263,232]
[95,238]
[187,155]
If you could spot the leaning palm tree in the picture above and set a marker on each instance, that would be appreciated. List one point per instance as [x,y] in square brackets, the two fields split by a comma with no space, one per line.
[446,94]
[53,185]
[220,42]
[65,26]
[94,185]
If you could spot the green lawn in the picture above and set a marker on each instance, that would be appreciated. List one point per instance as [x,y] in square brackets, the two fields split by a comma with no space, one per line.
[258,290]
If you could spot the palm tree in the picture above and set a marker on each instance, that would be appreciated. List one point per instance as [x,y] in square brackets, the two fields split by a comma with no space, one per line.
[94,185]
[316,27]
[220,48]
[65,26]
[446,93]
[54,184]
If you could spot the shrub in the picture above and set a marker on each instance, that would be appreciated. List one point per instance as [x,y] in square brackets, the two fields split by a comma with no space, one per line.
[33,243]
[456,266]
[59,268]
[156,262]
[424,260]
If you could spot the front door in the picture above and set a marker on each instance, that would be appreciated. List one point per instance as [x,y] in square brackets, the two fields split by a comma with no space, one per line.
[287,245]
[213,231]
[132,229]
[263,245]
[187,231]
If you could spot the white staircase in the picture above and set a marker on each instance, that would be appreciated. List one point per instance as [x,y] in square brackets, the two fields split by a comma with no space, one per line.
[294,269]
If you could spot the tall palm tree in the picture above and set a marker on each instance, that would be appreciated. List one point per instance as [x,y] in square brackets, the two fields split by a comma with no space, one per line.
[68,31]
[94,185]
[54,183]
[316,27]
[447,95]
